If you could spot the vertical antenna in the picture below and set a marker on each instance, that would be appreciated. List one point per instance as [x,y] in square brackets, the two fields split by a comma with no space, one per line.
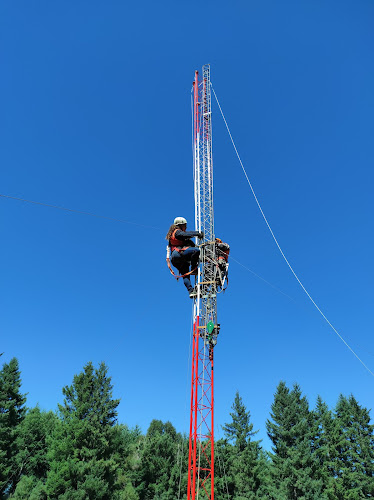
[205,327]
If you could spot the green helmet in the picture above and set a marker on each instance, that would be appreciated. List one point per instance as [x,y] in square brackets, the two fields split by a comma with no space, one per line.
[180,220]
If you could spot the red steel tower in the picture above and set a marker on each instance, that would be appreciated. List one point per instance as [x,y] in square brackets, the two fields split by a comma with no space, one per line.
[205,327]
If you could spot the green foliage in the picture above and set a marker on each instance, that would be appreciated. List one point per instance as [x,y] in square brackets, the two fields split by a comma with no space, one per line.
[12,412]
[352,450]
[29,488]
[128,444]
[239,430]
[34,435]
[83,454]
[156,478]
[322,447]
[246,464]
[129,493]
[291,432]
[224,478]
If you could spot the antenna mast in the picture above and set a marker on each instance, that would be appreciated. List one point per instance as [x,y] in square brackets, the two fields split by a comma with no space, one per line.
[205,327]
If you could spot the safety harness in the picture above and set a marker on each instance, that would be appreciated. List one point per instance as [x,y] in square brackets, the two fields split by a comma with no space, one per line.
[223,254]
[168,252]
[175,244]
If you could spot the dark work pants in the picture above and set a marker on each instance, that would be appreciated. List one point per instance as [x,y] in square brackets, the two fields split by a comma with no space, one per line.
[183,260]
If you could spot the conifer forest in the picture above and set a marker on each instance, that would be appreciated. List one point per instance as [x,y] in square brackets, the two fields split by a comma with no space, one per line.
[82,452]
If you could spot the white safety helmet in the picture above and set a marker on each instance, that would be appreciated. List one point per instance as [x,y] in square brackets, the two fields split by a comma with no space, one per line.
[180,220]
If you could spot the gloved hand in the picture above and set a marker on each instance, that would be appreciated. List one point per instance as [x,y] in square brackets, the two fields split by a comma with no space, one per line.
[201,236]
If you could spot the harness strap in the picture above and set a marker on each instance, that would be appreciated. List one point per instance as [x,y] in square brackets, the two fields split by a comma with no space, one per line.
[175,275]
[178,249]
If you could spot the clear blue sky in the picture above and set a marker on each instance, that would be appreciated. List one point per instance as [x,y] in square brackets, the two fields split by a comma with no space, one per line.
[95,116]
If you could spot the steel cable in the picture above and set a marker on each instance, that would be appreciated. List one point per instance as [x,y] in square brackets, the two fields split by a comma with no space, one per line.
[279,248]
[78,211]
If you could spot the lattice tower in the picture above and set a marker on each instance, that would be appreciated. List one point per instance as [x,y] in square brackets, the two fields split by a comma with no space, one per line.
[201,442]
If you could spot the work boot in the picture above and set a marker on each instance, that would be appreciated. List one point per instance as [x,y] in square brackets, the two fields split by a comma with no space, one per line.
[193,294]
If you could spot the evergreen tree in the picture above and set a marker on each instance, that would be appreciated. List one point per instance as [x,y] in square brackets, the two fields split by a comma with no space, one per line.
[128,445]
[246,463]
[240,429]
[32,459]
[363,440]
[82,453]
[29,488]
[224,454]
[179,472]
[157,476]
[12,412]
[323,448]
[33,439]
[352,442]
[291,432]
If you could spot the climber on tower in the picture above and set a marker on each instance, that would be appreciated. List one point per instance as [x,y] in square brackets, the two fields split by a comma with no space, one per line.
[183,251]
[222,255]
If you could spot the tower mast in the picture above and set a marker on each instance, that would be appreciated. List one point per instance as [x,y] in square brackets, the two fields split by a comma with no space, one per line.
[205,327]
